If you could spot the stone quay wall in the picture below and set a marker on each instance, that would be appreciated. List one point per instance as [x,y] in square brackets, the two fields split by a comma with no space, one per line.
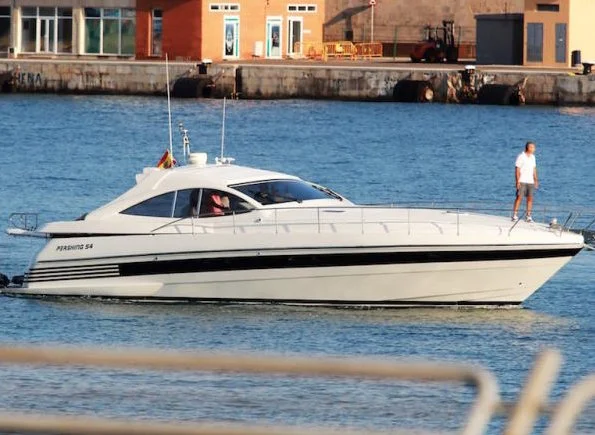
[368,82]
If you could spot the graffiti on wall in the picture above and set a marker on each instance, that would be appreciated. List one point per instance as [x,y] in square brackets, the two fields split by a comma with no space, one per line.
[28,79]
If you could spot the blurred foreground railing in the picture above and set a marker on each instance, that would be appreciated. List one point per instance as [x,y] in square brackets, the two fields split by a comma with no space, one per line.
[522,414]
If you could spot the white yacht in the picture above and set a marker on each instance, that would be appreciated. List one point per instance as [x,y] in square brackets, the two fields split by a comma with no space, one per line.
[223,233]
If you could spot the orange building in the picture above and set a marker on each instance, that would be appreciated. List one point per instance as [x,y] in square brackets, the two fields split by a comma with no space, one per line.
[242,29]
[556,28]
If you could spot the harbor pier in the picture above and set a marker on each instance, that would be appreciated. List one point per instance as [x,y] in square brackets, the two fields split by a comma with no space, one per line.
[359,81]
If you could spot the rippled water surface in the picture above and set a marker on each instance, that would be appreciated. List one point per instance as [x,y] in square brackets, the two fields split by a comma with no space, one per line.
[63,156]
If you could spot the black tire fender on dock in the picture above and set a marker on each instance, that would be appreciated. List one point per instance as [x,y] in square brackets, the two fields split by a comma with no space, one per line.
[498,94]
[192,87]
[4,281]
[413,91]
[18,279]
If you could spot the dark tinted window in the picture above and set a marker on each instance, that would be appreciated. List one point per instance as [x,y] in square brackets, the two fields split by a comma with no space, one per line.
[187,203]
[159,206]
[92,12]
[281,191]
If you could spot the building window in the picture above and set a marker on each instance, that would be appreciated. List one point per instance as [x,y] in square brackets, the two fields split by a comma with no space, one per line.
[156,32]
[224,7]
[547,7]
[231,37]
[301,8]
[535,42]
[46,30]
[110,31]
[4,29]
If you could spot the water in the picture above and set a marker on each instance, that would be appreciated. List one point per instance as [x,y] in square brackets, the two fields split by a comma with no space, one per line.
[63,156]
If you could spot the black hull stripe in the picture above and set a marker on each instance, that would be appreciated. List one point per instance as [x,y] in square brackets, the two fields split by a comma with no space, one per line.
[301,302]
[268,262]
[222,264]
[358,248]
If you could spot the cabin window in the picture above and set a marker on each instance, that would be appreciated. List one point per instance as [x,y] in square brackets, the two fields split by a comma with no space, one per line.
[187,203]
[158,206]
[190,203]
[283,191]
[218,203]
[208,203]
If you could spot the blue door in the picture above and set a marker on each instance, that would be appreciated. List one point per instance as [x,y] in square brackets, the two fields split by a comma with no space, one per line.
[561,43]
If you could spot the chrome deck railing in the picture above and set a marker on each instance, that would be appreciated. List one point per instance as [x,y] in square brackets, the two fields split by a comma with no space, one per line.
[361,219]
[521,415]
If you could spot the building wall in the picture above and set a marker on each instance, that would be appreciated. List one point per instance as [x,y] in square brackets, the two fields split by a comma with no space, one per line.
[549,20]
[582,28]
[193,30]
[407,18]
[252,17]
[181,35]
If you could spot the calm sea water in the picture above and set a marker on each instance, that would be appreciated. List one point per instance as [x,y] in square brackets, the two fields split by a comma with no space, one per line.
[63,156]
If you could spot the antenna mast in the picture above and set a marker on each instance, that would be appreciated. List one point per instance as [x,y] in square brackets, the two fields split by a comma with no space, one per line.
[171,146]
[223,130]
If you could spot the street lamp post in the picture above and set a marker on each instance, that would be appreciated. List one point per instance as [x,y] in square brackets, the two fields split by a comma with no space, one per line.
[372,4]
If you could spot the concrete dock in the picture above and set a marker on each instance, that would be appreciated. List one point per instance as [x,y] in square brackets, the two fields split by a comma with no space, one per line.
[340,80]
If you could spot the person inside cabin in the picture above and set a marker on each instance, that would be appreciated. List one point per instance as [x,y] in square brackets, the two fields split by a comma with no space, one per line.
[526,180]
[218,204]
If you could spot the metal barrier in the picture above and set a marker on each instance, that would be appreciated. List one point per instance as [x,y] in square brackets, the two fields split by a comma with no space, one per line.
[522,415]
[368,50]
[340,49]
[311,50]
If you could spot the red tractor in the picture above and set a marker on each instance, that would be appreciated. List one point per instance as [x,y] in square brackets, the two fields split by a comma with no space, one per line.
[438,46]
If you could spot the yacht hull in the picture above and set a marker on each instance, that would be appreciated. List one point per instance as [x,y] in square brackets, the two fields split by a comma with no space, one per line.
[387,276]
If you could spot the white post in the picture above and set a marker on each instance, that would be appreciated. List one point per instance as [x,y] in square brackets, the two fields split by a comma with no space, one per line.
[171,145]
[16,30]
[223,130]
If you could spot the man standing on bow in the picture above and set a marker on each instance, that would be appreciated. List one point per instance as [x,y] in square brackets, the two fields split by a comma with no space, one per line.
[526,180]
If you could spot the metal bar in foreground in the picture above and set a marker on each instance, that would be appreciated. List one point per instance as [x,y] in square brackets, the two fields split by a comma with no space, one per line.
[485,404]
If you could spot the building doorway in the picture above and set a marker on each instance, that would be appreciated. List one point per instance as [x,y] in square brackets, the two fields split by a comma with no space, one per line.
[231,37]
[46,38]
[273,38]
[295,29]
[561,43]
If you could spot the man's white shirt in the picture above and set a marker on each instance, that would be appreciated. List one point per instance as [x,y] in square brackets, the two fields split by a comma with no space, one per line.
[527,164]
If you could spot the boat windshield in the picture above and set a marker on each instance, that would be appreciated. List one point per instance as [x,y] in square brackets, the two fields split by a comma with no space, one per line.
[282,191]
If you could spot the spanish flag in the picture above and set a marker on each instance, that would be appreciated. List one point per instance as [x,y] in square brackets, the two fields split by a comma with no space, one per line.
[166,161]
